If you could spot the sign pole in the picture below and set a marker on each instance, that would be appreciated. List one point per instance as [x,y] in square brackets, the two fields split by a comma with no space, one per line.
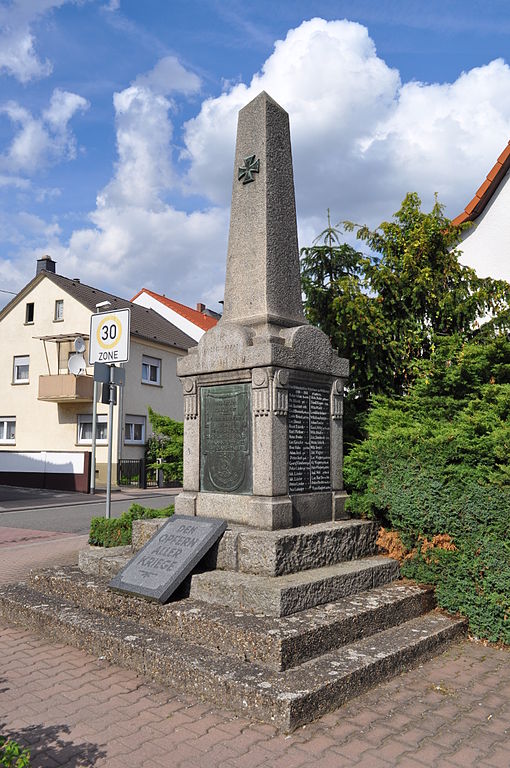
[110,446]
[94,434]
[109,344]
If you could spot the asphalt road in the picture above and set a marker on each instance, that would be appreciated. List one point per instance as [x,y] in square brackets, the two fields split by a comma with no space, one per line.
[68,513]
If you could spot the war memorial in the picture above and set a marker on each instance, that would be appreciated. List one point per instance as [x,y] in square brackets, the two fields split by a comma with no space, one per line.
[259,594]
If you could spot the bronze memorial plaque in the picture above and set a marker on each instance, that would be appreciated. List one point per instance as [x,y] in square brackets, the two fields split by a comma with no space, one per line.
[225,439]
[309,443]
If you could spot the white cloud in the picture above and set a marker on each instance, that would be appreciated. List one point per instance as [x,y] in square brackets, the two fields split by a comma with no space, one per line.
[144,133]
[361,140]
[44,140]
[18,56]
[136,236]
[169,76]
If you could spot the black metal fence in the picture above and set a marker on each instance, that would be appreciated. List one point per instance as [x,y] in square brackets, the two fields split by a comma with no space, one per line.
[131,472]
[135,473]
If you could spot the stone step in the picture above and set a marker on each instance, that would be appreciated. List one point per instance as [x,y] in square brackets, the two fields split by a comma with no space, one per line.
[275,553]
[263,553]
[280,643]
[287,699]
[286,595]
[105,562]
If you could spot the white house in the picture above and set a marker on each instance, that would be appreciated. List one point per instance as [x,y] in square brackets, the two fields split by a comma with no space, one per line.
[485,245]
[46,412]
[194,322]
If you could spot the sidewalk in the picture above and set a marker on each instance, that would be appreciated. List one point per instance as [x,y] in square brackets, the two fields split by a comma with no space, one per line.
[22,550]
[73,709]
[14,498]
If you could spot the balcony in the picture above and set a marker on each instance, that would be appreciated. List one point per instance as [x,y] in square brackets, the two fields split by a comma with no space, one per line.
[66,388]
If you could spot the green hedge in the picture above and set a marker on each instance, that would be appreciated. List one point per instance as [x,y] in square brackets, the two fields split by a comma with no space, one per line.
[116,532]
[438,462]
[12,755]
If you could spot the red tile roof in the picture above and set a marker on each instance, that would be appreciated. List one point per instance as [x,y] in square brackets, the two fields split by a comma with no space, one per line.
[484,193]
[193,315]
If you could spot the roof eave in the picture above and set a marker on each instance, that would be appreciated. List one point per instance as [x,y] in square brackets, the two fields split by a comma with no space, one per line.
[485,192]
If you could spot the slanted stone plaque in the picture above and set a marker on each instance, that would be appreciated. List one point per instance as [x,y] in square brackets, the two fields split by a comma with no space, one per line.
[164,562]
[225,439]
[309,440]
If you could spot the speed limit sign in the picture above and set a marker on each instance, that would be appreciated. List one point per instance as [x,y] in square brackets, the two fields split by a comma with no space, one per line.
[109,337]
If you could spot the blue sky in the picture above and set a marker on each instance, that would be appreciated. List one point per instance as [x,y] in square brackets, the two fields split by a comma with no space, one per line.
[117,123]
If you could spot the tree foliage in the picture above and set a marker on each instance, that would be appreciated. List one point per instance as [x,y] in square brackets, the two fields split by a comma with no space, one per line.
[385,309]
[165,444]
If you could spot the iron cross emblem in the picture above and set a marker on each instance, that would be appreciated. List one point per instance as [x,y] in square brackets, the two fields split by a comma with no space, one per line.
[251,166]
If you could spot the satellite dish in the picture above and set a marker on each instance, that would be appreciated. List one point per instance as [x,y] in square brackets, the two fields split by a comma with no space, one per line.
[79,344]
[76,365]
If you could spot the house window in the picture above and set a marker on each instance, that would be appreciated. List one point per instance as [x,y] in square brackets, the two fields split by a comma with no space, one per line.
[7,429]
[20,372]
[151,370]
[29,312]
[134,430]
[85,428]
[59,309]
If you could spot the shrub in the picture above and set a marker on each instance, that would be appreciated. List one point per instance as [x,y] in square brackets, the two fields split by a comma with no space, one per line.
[116,531]
[12,755]
[165,445]
[436,462]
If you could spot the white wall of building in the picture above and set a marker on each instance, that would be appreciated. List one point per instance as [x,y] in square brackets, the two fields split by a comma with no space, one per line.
[145,300]
[41,426]
[486,245]
[165,398]
[51,426]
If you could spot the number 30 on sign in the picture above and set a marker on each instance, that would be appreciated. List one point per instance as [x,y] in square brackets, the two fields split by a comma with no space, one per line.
[109,337]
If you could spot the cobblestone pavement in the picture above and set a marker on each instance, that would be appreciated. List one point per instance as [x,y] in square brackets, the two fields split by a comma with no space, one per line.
[73,709]
[22,550]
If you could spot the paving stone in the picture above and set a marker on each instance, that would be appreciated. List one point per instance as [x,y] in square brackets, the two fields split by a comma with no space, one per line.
[285,698]
[276,745]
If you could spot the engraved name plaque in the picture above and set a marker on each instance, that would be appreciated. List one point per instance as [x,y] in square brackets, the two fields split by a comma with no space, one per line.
[225,439]
[168,558]
[309,440]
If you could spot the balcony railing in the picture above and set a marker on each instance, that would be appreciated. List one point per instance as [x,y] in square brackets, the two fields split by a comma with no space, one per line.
[66,388]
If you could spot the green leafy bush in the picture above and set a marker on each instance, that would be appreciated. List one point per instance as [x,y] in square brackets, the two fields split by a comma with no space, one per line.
[165,445]
[12,755]
[116,532]
[437,462]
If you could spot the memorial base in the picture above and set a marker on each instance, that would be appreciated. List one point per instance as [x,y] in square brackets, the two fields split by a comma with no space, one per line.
[289,626]
[269,513]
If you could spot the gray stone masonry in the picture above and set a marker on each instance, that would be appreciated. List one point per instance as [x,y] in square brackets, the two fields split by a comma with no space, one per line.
[286,595]
[292,612]
[287,699]
[277,642]
[264,342]
[263,553]
[323,620]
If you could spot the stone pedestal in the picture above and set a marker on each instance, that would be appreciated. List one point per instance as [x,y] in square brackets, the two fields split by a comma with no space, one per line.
[263,389]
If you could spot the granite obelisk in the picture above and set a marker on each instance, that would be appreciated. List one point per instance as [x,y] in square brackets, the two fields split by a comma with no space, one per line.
[263,390]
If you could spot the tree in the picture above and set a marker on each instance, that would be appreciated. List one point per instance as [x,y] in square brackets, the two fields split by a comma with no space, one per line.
[385,309]
[166,444]
[435,467]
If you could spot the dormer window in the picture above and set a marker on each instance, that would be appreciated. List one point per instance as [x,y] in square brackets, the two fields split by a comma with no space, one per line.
[29,313]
